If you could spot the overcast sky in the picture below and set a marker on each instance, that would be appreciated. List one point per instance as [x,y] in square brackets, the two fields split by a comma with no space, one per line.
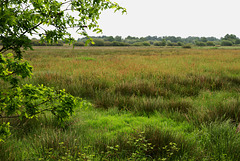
[173,18]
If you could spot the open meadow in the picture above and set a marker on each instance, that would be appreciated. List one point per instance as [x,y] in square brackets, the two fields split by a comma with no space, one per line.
[147,103]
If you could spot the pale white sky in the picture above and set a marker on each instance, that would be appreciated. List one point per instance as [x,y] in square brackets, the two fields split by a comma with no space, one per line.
[173,18]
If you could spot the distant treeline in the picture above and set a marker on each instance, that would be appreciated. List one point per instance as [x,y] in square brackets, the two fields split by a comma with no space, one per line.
[227,40]
[36,42]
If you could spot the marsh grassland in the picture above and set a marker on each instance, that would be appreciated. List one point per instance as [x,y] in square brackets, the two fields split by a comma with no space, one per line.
[147,103]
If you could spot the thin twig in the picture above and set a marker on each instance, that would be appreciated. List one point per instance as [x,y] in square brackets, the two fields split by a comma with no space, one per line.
[9,117]
[65,2]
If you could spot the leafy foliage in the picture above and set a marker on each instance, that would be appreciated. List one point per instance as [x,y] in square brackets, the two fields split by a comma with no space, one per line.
[11,69]
[4,131]
[142,146]
[28,101]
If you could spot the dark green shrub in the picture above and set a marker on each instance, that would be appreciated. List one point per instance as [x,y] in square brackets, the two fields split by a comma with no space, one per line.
[157,43]
[210,43]
[179,44]
[37,43]
[108,43]
[174,44]
[226,43]
[79,44]
[160,43]
[187,46]
[137,44]
[146,43]
[98,42]
[237,41]
[199,43]
[124,44]
[116,43]
[170,44]
[163,43]
[60,43]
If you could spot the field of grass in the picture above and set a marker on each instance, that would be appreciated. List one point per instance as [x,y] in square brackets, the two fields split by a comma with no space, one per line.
[147,102]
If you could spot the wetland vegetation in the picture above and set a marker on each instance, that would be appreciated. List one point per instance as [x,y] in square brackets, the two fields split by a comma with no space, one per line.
[143,103]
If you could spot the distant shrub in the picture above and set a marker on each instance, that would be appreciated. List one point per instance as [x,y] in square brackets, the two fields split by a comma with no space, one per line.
[56,44]
[226,43]
[199,43]
[237,41]
[210,43]
[124,44]
[151,42]
[116,43]
[160,43]
[170,44]
[98,42]
[157,43]
[137,44]
[37,43]
[146,43]
[174,44]
[179,44]
[163,43]
[108,43]
[187,46]
[79,44]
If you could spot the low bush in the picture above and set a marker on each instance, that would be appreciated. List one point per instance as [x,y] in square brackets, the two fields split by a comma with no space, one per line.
[97,42]
[226,43]
[108,43]
[146,43]
[79,44]
[179,43]
[200,43]
[159,43]
[116,43]
[137,44]
[210,43]
[187,46]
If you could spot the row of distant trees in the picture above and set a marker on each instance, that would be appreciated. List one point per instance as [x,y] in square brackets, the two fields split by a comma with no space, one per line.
[227,40]
[36,42]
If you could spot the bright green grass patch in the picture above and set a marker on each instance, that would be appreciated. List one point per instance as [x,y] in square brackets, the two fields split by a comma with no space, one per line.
[129,122]
[86,128]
